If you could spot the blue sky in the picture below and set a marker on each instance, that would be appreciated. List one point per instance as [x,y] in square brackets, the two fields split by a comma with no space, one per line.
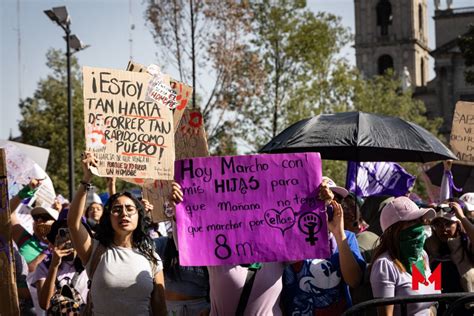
[103,24]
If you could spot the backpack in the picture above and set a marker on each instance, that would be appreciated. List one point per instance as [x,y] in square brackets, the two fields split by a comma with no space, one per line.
[66,300]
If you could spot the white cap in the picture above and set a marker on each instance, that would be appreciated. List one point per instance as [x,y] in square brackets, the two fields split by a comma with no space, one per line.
[444,211]
[334,188]
[45,210]
[468,199]
[93,198]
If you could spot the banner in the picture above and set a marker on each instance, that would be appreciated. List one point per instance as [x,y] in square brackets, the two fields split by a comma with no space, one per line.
[462,132]
[22,169]
[246,209]
[190,142]
[131,137]
[378,178]
[37,154]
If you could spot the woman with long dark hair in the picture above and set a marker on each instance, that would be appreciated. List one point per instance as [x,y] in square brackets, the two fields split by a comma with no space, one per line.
[126,273]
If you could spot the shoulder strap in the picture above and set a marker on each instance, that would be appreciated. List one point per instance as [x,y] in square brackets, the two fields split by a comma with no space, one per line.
[75,278]
[99,251]
[244,297]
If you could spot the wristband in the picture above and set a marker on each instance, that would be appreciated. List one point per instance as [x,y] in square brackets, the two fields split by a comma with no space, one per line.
[87,185]
[26,192]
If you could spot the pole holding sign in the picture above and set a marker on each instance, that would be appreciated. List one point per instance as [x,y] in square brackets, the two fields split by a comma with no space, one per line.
[8,289]
[129,135]
[462,133]
[246,209]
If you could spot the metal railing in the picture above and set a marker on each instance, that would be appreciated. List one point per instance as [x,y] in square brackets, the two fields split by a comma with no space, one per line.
[460,299]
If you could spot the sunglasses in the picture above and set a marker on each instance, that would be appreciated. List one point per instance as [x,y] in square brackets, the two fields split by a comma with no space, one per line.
[446,209]
[43,217]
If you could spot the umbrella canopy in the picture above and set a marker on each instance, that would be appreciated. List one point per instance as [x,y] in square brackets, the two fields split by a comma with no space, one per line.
[360,136]
[463,176]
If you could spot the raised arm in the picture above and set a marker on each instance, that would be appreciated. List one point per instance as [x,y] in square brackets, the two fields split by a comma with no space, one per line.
[80,237]
[466,224]
[351,271]
[27,191]
[445,189]
[111,187]
[47,288]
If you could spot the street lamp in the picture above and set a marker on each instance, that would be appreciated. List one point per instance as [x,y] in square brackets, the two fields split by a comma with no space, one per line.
[60,16]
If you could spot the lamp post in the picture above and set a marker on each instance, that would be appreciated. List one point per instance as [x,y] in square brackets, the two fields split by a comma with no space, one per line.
[60,16]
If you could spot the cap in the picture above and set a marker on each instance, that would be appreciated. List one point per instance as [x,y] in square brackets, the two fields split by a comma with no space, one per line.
[45,210]
[444,211]
[468,199]
[403,209]
[334,188]
[93,198]
[62,222]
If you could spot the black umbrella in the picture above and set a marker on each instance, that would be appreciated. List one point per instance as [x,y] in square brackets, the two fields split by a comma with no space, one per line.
[463,176]
[360,136]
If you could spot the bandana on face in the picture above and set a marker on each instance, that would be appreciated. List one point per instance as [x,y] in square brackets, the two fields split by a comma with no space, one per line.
[42,229]
[412,240]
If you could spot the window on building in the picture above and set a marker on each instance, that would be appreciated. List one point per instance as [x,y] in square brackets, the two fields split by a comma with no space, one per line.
[384,15]
[384,63]
[420,16]
[422,71]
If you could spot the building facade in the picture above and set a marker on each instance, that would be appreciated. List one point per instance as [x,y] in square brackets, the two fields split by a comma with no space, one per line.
[394,34]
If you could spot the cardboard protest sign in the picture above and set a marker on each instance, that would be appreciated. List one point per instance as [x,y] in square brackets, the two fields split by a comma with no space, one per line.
[182,92]
[130,136]
[462,133]
[190,141]
[158,193]
[190,138]
[245,209]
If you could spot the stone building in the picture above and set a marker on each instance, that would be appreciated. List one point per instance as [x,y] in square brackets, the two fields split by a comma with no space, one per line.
[394,34]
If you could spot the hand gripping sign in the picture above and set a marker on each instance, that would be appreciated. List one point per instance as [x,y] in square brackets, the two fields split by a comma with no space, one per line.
[245,209]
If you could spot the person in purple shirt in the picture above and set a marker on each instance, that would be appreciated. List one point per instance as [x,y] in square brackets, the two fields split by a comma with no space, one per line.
[401,249]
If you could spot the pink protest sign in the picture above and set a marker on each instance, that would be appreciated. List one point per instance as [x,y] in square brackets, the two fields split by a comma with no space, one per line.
[245,209]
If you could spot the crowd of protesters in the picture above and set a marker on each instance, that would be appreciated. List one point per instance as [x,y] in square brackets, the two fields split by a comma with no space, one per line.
[93,258]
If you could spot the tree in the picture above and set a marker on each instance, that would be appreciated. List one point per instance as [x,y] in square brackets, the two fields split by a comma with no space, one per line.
[211,35]
[45,121]
[466,44]
[298,51]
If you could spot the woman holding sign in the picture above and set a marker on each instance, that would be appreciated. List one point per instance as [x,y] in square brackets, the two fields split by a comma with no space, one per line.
[125,272]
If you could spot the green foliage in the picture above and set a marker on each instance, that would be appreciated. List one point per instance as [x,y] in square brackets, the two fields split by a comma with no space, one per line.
[466,44]
[382,94]
[45,120]
[225,61]
[298,51]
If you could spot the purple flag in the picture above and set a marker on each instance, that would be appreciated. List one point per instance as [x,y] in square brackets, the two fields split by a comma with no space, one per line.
[378,178]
